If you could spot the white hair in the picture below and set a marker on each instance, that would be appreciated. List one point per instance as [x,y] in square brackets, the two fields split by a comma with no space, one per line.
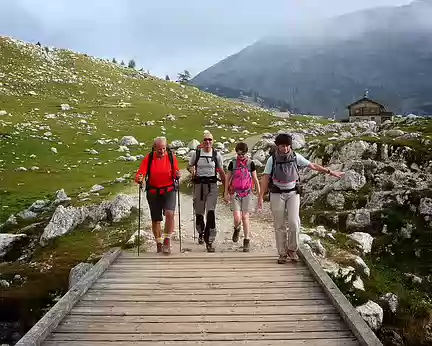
[160,139]
[207,133]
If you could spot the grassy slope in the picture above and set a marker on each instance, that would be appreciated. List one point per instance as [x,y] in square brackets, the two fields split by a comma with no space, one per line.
[95,89]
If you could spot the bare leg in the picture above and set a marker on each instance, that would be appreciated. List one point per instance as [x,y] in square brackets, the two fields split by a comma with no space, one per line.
[157,231]
[246,226]
[169,223]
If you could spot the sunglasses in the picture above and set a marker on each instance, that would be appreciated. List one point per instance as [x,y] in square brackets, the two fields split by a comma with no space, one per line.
[241,154]
[207,139]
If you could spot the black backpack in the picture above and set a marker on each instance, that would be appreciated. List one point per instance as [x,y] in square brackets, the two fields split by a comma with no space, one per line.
[213,158]
[150,160]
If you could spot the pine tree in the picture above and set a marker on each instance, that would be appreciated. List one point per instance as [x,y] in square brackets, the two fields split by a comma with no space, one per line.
[184,77]
[167,78]
[131,64]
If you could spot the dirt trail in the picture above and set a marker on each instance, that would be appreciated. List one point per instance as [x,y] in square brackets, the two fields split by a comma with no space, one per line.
[261,231]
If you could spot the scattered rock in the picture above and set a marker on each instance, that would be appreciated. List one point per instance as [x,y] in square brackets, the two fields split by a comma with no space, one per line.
[193,144]
[27,214]
[96,188]
[128,141]
[372,313]
[389,301]
[359,220]
[363,239]
[318,248]
[77,272]
[4,284]
[60,197]
[7,240]
[65,107]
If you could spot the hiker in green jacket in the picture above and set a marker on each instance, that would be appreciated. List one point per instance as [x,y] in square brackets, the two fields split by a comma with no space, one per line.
[240,181]
[281,177]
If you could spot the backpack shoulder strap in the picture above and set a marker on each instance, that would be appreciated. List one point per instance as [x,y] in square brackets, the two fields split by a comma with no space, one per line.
[214,158]
[234,163]
[296,165]
[273,164]
[149,162]
[249,164]
[197,156]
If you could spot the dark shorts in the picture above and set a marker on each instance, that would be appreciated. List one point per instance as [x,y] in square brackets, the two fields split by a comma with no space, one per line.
[158,203]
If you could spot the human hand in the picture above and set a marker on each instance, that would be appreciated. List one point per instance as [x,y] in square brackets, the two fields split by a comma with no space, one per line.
[260,203]
[140,179]
[192,170]
[337,174]
[227,197]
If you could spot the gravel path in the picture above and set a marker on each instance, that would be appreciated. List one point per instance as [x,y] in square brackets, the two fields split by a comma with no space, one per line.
[261,230]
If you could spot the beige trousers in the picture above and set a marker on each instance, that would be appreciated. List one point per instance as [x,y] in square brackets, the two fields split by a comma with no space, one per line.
[285,208]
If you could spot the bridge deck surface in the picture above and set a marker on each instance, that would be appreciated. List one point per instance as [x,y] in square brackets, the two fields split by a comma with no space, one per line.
[200,298]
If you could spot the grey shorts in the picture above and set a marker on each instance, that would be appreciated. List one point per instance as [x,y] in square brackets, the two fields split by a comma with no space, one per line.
[243,204]
[205,197]
[158,203]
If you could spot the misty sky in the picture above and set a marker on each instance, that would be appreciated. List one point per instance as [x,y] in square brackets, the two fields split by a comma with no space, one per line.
[164,36]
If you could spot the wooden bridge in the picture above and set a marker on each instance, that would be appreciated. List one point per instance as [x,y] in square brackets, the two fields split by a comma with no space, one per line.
[202,299]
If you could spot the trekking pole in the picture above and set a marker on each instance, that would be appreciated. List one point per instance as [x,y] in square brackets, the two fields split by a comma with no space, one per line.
[179,214]
[193,212]
[139,214]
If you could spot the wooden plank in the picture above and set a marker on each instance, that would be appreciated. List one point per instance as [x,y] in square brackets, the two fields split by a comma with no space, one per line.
[198,255]
[358,326]
[213,291]
[207,268]
[185,304]
[202,318]
[202,274]
[195,310]
[201,285]
[134,337]
[192,297]
[252,280]
[203,327]
[223,261]
[53,317]
[295,342]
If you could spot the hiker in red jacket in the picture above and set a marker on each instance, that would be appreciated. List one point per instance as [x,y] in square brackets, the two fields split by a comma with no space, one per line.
[161,171]
[240,181]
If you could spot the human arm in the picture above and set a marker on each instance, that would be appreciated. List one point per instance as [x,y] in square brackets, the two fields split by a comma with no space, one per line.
[255,178]
[176,168]
[265,181]
[319,168]
[256,183]
[142,170]
[221,171]
[191,164]
[303,162]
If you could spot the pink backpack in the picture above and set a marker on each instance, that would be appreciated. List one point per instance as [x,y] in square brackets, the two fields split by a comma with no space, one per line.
[241,181]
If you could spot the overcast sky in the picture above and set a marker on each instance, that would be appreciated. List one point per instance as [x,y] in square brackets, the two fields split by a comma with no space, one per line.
[164,36]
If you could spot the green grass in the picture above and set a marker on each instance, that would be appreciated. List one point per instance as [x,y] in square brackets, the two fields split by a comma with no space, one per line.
[95,94]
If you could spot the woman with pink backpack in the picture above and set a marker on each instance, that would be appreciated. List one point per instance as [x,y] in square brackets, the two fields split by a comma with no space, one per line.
[240,180]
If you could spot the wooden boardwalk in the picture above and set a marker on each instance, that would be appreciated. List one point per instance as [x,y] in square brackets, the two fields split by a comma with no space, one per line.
[203,299]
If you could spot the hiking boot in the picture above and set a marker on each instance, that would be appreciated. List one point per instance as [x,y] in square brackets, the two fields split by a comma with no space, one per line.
[293,256]
[167,246]
[210,248]
[236,234]
[246,245]
[159,247]
[282,259]
[201,238]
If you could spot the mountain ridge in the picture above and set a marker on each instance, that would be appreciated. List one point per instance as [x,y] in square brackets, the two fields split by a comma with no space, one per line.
[324,76]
